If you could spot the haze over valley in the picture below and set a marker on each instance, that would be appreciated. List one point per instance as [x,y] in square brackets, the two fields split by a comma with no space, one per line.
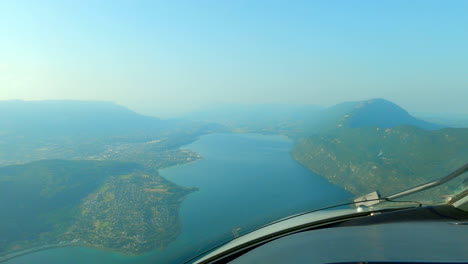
[154,131]
[81,173]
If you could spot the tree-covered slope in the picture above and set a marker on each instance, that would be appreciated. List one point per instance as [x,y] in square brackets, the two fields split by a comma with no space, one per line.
[363,160]
[105,204]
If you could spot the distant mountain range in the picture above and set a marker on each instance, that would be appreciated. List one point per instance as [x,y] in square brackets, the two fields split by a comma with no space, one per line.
[444,119]
[36,130]
[72,118]
[301,120]
[262,118]
[238,113]
[63,117]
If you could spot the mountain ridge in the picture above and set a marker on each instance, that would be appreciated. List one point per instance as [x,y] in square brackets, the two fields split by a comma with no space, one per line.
[72,117]
[376,112]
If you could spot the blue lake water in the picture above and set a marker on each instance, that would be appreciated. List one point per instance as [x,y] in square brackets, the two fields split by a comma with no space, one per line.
[244,181]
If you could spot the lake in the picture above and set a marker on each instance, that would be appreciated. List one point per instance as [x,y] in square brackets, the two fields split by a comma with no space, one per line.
[244,181]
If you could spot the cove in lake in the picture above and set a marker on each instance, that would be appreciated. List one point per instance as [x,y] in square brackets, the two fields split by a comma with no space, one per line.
[244,181]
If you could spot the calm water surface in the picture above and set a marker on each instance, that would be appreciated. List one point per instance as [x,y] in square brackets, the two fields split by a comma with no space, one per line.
[244,181]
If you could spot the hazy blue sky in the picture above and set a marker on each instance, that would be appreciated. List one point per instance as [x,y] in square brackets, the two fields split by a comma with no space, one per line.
[156,56]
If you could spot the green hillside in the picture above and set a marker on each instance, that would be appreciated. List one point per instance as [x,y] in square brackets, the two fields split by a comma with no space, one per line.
[366,159]
[104,204]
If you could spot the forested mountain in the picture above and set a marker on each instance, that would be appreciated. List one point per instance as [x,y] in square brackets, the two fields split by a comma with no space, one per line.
[369,113]
[376,145]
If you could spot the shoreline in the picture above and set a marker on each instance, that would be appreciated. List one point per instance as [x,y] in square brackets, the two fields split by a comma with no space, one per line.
[15,254]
